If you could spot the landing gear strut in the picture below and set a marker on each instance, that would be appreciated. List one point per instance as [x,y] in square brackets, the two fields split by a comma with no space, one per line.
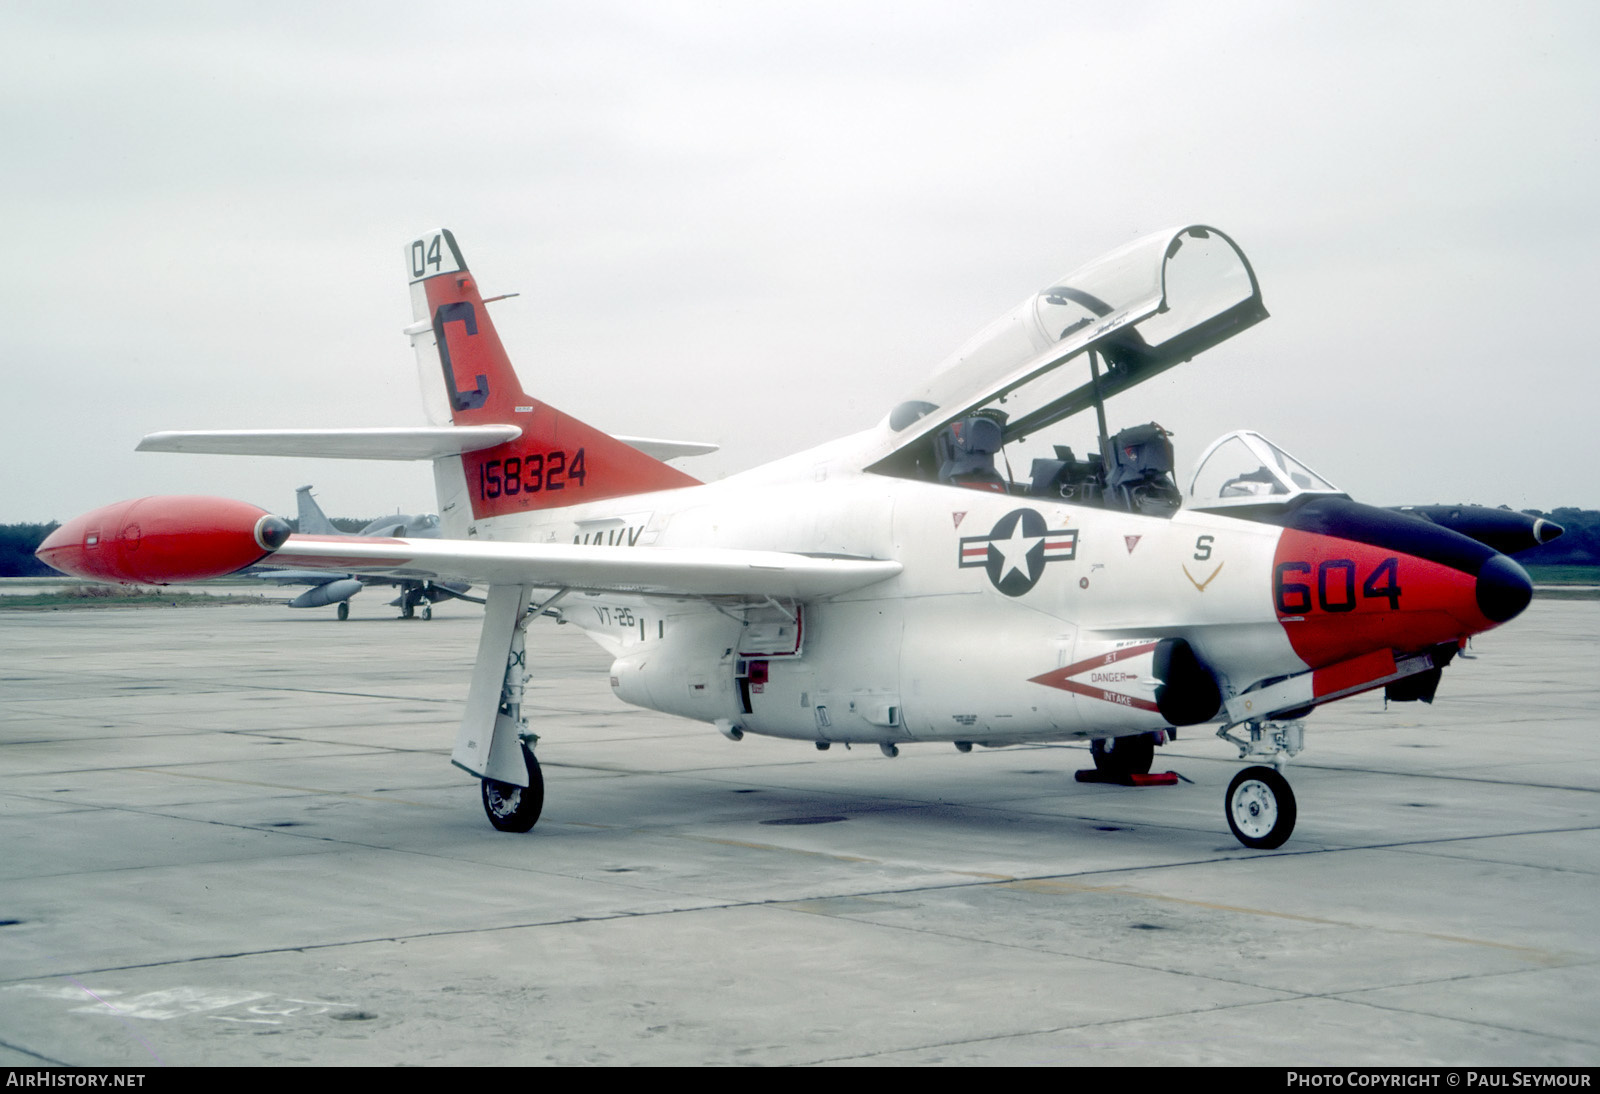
[494,742]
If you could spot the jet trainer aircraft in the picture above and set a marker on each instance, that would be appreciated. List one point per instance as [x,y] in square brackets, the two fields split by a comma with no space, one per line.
[332,587]
[895,586]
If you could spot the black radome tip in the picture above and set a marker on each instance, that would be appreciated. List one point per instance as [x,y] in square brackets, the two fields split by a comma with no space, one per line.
[1504,589]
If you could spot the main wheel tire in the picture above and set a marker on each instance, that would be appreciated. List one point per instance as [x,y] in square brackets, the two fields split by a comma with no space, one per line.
[1260,808]
[427,610]
[515,808]
[344,610]
[1123,756]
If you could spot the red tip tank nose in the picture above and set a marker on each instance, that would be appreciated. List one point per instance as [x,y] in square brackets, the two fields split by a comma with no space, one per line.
[160,540]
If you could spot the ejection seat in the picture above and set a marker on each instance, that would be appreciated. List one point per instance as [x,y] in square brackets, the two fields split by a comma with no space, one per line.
[1140,478]
[966,449]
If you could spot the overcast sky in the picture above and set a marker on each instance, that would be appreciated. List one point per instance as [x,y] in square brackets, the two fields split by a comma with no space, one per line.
[762,224]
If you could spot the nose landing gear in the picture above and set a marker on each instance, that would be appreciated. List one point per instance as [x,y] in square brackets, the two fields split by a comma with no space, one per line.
[1260,804]
[1260,808]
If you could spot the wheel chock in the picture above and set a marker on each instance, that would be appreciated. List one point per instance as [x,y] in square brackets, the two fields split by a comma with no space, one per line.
[1155,778]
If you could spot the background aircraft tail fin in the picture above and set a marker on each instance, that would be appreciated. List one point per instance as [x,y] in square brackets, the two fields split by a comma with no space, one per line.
[313,521]
[468,380]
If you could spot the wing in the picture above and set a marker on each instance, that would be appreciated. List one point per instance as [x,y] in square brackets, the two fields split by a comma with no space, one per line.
[660,571]
[161,540]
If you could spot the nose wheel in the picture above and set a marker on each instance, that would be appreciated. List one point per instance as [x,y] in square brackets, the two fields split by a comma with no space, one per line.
[1260,808]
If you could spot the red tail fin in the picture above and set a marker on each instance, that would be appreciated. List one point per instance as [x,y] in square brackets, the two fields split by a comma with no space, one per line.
[558,460]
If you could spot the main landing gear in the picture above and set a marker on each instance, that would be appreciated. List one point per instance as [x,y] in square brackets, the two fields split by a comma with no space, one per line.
[1119,757]
[494,742]
[515,808]
[1260,804]
[1126,760]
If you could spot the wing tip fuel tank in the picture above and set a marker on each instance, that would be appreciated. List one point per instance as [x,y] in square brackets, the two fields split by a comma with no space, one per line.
[159,540]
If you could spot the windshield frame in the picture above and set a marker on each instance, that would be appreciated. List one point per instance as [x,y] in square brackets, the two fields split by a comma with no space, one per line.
[1276,461]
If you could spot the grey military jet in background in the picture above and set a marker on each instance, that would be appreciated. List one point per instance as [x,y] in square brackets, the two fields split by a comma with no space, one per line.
[334,588]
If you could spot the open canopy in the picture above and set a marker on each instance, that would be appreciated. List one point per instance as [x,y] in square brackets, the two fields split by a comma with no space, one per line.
[1141,309]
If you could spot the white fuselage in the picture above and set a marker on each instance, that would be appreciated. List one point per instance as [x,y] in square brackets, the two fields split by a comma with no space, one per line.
[949,650]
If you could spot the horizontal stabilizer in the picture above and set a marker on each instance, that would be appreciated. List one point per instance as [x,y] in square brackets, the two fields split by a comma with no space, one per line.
[401,443]
[425,442]
[668,450]
[657,571]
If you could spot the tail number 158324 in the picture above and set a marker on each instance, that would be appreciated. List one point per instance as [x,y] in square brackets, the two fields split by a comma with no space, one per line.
[531,473]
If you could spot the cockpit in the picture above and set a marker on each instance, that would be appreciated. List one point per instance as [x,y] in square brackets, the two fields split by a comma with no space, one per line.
[1135,474]
[1244,470]
[1095,333]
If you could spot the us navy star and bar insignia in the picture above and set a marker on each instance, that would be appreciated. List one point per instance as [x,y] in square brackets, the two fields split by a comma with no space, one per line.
[1017,549]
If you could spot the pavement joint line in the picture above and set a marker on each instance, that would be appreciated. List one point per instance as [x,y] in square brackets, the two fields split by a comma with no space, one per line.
[1041,883]
[1044,1031]
[1232,762]
[1284,994]
[46,1061]
[1529,953]
[1415,846]
[1110,1022]
[1347,997]
[1026,884]
[398,939]
[1542,959]
[1443,776]
[279,786]
[1499,861]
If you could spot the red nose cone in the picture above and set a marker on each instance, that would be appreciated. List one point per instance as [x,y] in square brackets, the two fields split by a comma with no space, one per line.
[160,540]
